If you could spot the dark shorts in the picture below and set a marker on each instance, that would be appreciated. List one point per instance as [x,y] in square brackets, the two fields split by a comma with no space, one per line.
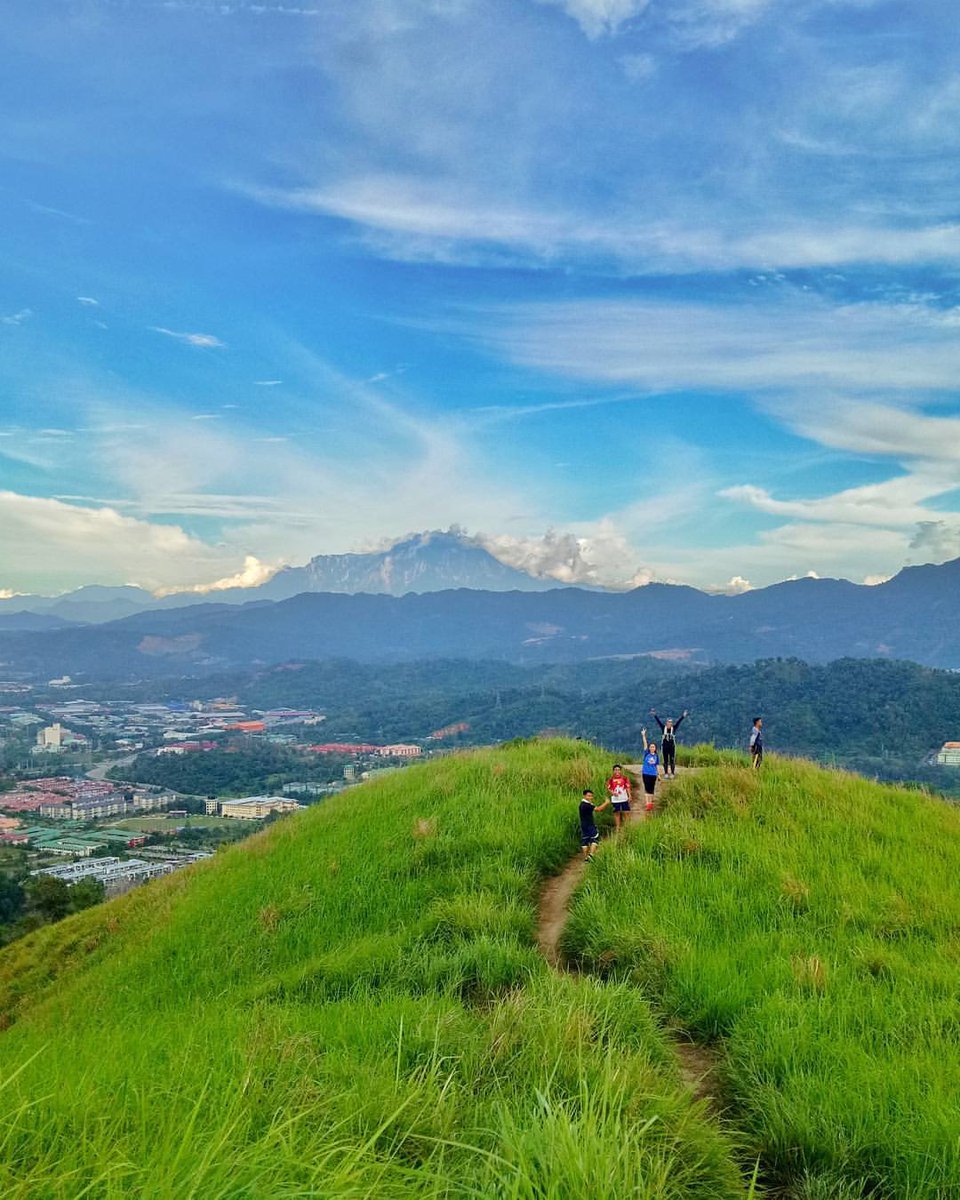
[649,783]
[757,753]
[589,835]
[621,806]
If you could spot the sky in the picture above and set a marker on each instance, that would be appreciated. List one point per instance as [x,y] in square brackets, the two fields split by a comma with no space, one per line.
[628,289]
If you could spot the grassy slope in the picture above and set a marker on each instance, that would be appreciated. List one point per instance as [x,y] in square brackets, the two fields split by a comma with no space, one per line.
[348,1004]
[810,920]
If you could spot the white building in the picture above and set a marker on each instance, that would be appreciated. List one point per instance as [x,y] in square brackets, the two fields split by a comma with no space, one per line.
[400,750]
[255,808]
[949,755]
[50,738]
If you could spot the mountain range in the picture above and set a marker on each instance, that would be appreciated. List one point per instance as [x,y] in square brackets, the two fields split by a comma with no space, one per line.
[433,561]
[912,616]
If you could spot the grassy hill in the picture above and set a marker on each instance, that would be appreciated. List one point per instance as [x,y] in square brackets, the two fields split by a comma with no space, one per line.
[351,1004]
[808,923]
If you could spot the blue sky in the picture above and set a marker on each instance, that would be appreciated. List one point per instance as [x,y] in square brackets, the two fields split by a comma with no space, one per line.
[632,289]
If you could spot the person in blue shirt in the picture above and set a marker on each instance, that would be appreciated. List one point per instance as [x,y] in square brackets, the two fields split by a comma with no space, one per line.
[589,833]
[650,771]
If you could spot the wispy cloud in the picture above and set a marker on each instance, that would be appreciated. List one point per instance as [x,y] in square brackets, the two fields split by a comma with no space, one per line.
[88,301]
[430,219]
[902,432]
[599,17]
[797,342]
[17,318]
[205,341]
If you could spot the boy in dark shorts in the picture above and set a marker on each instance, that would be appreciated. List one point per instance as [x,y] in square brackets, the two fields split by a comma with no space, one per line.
[618,789]
[589,833]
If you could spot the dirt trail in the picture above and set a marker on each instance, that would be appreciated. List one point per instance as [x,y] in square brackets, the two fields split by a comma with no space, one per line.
[698,1064]
[555,908]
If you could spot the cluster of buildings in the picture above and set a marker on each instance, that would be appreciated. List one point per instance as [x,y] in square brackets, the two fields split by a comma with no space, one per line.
[64,798]
[66,843]
[118,875]
[70,725]
[396,750]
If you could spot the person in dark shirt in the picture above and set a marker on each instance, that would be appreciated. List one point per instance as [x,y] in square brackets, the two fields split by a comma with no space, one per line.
[756,742]
[589,833]
[668,743]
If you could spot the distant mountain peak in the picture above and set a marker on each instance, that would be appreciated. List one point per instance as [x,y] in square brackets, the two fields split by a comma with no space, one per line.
[432,561]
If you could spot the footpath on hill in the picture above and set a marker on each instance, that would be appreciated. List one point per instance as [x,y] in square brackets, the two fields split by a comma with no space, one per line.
[698,1064]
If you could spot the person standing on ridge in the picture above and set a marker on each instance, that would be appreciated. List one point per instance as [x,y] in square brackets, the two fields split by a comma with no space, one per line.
[650,771]
[756,742]
[589,833]
[618,789]
[668,742]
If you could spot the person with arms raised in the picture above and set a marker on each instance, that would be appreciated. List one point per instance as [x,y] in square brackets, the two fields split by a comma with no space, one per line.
[668,742]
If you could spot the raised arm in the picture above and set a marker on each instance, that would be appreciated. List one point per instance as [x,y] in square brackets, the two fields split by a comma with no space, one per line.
[676,724]
[659,722]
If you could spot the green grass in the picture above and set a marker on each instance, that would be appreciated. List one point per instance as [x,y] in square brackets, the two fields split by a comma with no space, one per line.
[168,824]
[350,1004]
[808,922]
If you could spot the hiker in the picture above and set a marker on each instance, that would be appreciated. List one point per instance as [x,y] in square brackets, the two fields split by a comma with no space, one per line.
[668,742]
[756,742]
[589,834]
[618,789]
[650,771]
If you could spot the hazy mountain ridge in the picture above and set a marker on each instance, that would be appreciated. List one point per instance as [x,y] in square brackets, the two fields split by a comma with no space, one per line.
[914,616]
[424,562]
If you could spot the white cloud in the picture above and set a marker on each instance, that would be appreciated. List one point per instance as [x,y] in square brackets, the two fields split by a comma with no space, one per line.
[894,503]
[252,574]
[267,382]
[205,341]
[17,318]
[638,67]
[88,301]
[599,17]
[887,430]
[435,218]
[54,545]
[800,343]
[602,559]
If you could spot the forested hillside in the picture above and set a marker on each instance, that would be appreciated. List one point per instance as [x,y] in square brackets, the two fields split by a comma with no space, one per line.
[883,718]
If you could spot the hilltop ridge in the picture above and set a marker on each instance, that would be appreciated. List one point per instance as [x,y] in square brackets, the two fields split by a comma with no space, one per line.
[352,1002]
